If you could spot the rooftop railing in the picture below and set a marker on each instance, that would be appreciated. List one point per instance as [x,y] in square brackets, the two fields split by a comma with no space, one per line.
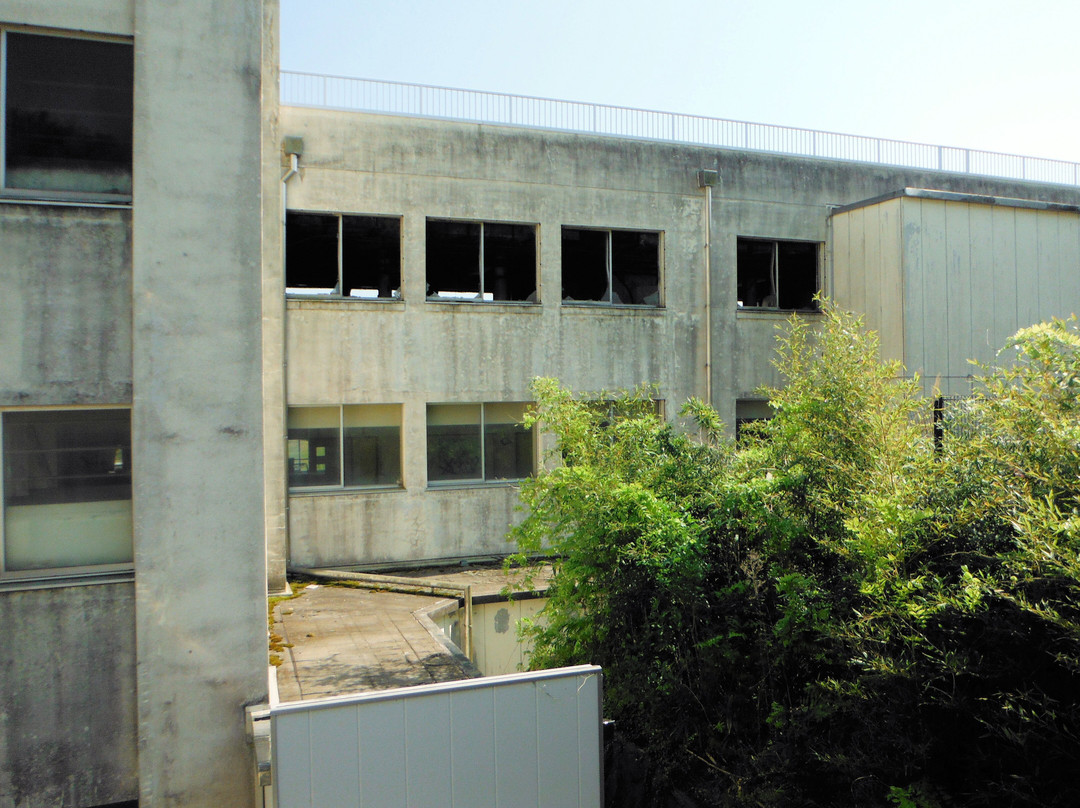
[476,106]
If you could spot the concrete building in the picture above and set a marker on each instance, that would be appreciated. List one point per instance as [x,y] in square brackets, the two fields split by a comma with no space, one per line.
[132,577]
[210,373]
[627,267]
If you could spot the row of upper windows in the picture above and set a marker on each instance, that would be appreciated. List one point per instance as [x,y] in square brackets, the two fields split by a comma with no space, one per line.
[360,257]
[346,256]
[359,445]
[67,128]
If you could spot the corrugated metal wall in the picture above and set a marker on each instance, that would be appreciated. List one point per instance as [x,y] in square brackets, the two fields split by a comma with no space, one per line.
[526,740]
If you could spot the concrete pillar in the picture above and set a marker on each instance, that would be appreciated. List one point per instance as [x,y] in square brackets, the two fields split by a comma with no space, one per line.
[197,414]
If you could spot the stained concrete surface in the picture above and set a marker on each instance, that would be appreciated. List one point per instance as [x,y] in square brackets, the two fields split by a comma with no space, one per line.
[341,640]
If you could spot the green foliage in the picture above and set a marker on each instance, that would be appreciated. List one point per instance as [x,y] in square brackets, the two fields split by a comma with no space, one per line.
[832,612]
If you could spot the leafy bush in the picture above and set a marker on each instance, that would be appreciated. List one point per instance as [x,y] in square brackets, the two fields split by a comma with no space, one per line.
[832,612]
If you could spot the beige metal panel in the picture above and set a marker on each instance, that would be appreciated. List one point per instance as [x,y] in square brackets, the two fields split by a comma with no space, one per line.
[935,291]
[1028,283]
[890,302]
[1070,264]
[958,284]
[981,246]
[870,266]
[1004,278]
[913,278]
[1049,264]
[839,249]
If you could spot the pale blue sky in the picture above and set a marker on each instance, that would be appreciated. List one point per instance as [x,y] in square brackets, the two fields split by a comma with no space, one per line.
[1003,76]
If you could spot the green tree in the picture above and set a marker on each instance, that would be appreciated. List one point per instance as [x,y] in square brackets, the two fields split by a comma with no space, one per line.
[830,613]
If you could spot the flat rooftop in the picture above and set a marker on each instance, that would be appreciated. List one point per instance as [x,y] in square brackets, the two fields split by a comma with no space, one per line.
[343,639]
[476,106]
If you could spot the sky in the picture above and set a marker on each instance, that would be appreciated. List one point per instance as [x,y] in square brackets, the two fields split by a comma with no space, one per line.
[1000,76]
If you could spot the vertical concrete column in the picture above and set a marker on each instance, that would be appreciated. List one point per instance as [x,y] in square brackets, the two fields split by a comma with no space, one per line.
[197,414]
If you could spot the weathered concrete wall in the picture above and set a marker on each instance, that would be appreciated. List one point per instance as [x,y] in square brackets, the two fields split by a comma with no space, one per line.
[97,16]
[197,429]
[415,352]
[275,167]
[65,305]
[67,696]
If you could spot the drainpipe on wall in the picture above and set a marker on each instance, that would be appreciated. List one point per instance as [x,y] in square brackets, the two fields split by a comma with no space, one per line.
[294,147]
[707,179]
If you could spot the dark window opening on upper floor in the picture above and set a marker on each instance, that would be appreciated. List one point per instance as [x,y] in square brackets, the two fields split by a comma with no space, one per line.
[613,267]
[777,274]
[67,114]
[342,255]
[490,261]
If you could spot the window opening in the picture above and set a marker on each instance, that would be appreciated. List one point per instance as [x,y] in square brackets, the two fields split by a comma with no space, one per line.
[67,114]
[349,446]
[490,261]
[66,489]
[342,255]
[749,411]
[614,267]
[478,443]
[777,274]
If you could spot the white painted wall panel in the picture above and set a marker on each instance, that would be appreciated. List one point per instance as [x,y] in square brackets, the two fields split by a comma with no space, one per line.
[528,740]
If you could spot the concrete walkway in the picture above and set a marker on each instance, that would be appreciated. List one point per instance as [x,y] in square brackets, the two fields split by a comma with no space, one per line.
[342,640]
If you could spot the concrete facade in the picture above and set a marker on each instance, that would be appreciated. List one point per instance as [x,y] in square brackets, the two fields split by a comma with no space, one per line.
[130,676]
[415,351]
[128,681]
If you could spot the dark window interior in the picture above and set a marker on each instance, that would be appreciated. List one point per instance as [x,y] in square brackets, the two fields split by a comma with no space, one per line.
[453,452]
[313,457]
[777,274]
[60,457]
[617,267]
[68,114]
[508,452]
[457,269]
[510,261]
[453,259]
[635,268]
[372,455]
[370,256]
[311,252]
[584,265]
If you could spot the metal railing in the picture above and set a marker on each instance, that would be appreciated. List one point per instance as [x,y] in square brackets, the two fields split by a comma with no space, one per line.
[476,106]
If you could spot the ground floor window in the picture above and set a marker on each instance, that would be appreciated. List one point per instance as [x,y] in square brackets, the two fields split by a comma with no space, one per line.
[348,446]
[478,443]
[66,489]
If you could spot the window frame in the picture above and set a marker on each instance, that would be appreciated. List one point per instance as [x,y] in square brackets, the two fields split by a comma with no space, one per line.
[61,195]
[341,485]
[336,293]
[479,296]
[73,571]
[609,267]
[481,481]
[776,273]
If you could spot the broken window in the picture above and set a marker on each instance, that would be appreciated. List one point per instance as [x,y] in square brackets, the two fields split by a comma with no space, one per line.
[481,261]
[749,411]
[67,114]
[613,267]
[66,489]
[777,274]
[478,443]
[350,446]
[342,255]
